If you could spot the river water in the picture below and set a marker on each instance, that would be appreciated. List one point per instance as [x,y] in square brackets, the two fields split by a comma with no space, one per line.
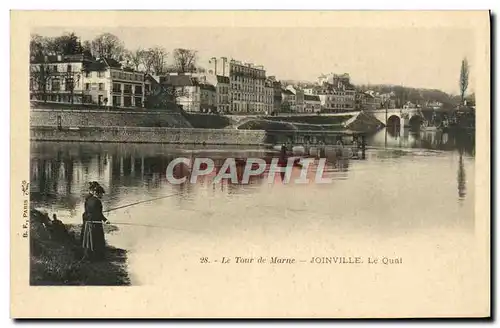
[412,198]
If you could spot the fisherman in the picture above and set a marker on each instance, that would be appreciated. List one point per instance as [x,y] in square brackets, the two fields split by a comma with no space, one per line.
[93,242]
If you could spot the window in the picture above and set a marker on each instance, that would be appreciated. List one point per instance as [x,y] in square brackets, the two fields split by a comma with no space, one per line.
[54,68]
[116,101]
[100,74]
[147,87]
[87,86]
[117,88]
[88,74]
[101,86]
[56,85]
[127,88]
[138,101]
[127,101]
[68,69]
[138,89]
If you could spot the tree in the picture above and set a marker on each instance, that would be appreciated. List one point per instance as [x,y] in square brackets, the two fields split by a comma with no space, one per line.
[185,60]
[37,49]
[158,56]
[108,45]
[40,76]
[70,79]
[134,58]
[87,48]
[67,44]
[464,79]
[147,61]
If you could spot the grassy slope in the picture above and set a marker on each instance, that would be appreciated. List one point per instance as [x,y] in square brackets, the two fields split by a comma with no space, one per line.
[55,258]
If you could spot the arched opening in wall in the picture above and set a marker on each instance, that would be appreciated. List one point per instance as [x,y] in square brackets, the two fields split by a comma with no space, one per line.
[415,122]
[393,123]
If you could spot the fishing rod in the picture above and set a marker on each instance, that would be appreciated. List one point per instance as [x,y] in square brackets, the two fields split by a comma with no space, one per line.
[140,225]
[140,202]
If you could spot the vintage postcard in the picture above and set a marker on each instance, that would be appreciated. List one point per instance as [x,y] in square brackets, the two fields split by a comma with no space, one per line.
[250,164]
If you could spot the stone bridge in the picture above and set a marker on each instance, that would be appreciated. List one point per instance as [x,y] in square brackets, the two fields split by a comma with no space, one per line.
[411,117]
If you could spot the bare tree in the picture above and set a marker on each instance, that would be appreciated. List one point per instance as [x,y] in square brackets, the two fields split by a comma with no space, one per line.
[108,45]
[147,61]
[464,78]
[158,59]
[185,60]
[70,79]
[134,58]
[40,76]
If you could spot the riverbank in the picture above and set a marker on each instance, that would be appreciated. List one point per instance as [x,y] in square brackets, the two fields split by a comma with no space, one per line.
[55,257]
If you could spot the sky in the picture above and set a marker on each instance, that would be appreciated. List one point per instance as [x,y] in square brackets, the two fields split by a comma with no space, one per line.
[413,57]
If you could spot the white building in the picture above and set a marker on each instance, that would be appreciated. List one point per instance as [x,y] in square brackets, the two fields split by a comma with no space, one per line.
[312,103]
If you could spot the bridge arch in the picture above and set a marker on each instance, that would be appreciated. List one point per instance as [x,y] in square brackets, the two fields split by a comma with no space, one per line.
[415,122]
[393,121]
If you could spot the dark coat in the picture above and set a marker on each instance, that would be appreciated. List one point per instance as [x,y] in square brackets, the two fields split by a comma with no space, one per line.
[93,212]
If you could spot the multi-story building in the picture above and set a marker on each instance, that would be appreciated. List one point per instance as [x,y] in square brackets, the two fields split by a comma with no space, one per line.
[208,98]
[192,92]
[299,98]
[223,96]
[337,94]
[337,100]
[58,78]
[288,102]
[369,100]
[277,97]
[247,84]
[107,83]
[269,97]
[185,89]
[312,103]
[79,79]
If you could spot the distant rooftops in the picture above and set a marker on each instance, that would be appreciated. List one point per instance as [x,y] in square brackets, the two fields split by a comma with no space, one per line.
[311,97]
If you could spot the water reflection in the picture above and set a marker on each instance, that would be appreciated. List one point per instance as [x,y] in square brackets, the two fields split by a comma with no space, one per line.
[425,139]
[410,191]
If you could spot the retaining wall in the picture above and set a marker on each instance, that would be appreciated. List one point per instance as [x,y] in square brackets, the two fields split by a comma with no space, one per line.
[101,118]
[151,135]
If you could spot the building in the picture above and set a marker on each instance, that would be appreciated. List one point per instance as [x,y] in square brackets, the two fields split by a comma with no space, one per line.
[277,96]
[223,95]
[269,96]
[58,78]
[335,100]
[208,98]
[156,96]
[299,98]
[247,84]
[334,79]
[288,102]
[107,83]
[312,103]
[185,90]
[79,79]
[336,93]
[368,100]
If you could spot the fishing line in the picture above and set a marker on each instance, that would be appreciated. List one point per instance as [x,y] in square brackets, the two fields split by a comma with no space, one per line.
[148,226]
[140,202]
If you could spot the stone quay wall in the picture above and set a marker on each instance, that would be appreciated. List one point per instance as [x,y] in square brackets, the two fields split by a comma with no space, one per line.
[103,118]
[151,135]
